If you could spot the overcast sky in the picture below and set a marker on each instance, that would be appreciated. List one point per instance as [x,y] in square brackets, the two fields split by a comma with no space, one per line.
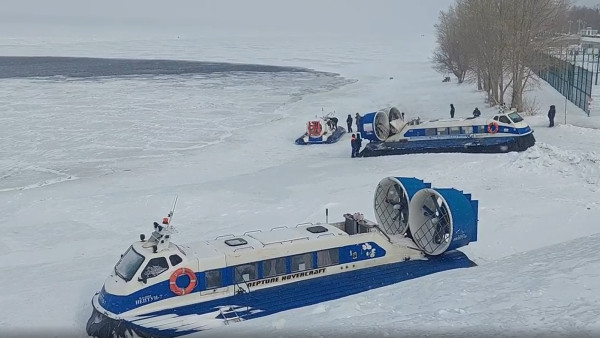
[310,16]
[589,3]
[300,15]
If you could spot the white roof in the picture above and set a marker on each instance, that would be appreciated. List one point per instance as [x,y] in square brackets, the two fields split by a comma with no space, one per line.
[276,238]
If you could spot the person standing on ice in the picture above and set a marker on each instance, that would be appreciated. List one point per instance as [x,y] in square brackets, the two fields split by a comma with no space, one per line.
[353,145]
[358,145]
[349,122]
[357,120]
[451,110]
[551,114]
[476,112]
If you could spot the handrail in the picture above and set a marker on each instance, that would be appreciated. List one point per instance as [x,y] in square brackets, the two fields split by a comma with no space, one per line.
[279,242]
[305,223]
[376,226]
[251,231]
[288,240]
[280,227]
[327,234]
[297,239]
[244,248]
[223,236]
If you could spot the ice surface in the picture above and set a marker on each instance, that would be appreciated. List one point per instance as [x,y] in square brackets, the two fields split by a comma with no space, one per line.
[88,164]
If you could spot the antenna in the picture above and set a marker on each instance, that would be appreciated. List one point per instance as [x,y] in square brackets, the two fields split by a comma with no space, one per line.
[173,209]
[327,215]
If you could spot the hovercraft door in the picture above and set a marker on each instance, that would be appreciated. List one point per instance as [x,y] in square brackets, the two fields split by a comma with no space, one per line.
[314,128]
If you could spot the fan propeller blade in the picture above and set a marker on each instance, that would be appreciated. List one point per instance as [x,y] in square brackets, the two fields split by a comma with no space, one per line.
[428,212]
[437,205]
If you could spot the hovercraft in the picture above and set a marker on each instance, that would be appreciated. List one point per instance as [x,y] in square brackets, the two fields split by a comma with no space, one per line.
[161,289]
[389,135]
[323,130]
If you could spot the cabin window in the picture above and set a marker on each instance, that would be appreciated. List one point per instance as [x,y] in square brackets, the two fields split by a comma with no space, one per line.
[212,279]
[430,131]
[515,117]
[317,229]
[495,118]
[468,130]
[482,129]
[327,257]
[155,267]
[442,131]
[273,267]
[129,264]
[454,130]
[504,119]
[245,273]
[175,259]
[235,242]
[302,262]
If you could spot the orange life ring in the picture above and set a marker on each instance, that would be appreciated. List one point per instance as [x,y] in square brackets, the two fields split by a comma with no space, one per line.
[492,128]
[173,281]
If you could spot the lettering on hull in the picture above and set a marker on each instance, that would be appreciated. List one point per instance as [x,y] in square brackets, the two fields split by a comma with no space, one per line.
[286,277]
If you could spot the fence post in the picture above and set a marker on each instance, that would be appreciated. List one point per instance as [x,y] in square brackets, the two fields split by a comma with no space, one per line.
[597,65]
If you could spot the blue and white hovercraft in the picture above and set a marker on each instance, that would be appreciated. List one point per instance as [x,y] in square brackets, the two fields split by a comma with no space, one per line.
[321,131]
[160,289]
[389,135]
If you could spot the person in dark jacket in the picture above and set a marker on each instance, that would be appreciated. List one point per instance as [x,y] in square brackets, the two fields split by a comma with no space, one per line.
[551,114]
[334,122]
[353,144]
[358,145]
[357,120]
[476,112]
[349,122]
[451,110]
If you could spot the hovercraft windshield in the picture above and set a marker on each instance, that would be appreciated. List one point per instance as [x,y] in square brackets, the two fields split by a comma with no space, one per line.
[515,117]
[129,264]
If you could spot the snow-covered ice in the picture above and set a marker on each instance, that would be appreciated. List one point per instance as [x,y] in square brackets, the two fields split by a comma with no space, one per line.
[88,164]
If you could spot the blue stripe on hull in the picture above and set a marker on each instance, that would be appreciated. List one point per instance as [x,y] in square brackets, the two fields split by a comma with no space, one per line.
[453,145]
[265,302]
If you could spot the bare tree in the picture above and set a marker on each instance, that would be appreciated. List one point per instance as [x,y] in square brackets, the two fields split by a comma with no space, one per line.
[535,27]
[483,25]
[498,42]
[449,56]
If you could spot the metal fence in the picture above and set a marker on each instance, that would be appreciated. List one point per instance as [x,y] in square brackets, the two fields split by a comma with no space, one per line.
[571,72]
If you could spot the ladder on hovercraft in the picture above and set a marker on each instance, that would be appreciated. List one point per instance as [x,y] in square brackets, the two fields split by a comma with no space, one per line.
[230,315]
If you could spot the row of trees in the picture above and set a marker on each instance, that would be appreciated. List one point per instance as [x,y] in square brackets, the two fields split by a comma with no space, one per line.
[496,43]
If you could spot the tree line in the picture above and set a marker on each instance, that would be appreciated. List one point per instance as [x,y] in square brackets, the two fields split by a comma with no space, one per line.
[581,17]
[496,43]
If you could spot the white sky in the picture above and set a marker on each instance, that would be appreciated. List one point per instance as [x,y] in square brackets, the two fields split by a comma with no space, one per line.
[307,15]
[347,17]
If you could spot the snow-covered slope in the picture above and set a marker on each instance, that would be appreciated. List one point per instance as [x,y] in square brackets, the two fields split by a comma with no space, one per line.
[548,292]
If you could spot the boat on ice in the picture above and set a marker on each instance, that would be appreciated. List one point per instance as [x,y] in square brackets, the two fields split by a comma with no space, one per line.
[323,130]
[389,135]
[162,289]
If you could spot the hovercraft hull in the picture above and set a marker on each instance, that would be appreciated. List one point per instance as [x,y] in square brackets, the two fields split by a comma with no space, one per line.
[201,316]
[471,145]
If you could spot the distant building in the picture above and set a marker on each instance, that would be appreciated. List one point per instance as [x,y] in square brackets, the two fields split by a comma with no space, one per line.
[589,32]
[590,44]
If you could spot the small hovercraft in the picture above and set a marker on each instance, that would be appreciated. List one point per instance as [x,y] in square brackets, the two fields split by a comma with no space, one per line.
[390,135]
[160,289]
[323,130]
